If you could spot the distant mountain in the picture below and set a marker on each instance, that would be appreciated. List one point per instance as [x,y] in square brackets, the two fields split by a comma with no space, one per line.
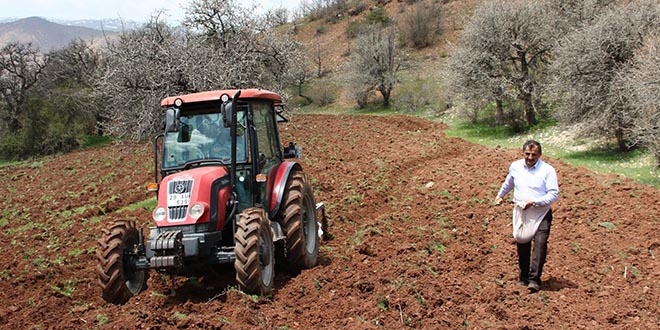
[114,25]
[48,36]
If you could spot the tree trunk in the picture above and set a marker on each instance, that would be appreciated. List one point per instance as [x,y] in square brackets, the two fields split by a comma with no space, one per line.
[499,109]
[620,139]
[525,88]
[300,93]
[14,125]
[530,114]
[385,92]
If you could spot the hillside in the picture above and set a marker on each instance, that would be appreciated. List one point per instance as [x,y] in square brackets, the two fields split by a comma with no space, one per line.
[416,242]
[328,36]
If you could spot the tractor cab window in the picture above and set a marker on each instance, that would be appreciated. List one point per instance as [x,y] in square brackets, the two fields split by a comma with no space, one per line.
[201,136]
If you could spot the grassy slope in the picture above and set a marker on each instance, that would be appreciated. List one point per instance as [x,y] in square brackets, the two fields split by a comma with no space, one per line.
[561,144]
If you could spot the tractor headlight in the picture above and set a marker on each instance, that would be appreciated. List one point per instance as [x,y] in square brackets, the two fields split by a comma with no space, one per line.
[159,213]
[196,211]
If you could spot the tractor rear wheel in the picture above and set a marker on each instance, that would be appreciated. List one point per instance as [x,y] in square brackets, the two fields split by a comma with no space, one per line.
[298,219]
[116,257]
[255,252]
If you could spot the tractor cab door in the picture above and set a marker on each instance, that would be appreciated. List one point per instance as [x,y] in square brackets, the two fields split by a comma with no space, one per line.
[268,143]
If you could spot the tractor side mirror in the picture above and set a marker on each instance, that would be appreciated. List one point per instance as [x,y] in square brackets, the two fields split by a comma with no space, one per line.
[172,120]
[227,114]
[279,109]
[292,151]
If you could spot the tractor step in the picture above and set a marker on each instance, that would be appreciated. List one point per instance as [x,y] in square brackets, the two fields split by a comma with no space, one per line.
[323,224]
[166,262]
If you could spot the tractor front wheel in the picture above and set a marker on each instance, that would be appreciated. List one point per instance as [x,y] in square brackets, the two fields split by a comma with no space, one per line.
[116,257]
[255,259]
[298,218]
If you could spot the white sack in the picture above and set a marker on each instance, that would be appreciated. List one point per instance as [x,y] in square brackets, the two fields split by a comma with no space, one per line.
[526,222]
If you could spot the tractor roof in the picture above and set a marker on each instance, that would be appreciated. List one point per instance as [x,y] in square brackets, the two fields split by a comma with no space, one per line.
[251,93]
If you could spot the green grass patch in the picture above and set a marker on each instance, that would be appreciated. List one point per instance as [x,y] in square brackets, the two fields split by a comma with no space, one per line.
[65,289]
[607,225]
[437,247]
[102,319]
[7,163]
[148,204]
[636,164]
[95,140]
[180,315]
[483,134]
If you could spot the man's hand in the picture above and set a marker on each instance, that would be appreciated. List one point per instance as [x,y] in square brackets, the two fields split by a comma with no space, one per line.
[497,201]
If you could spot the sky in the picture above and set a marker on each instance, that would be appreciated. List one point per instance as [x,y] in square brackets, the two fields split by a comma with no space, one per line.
[133,10]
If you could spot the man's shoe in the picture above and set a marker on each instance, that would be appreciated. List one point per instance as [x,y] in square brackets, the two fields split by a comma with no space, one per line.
[522,283]
[533,287]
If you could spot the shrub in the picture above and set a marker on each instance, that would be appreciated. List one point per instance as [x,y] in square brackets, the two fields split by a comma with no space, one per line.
[355,28]
[421,25]
[378,15]
[324,93]
[421,94]
[358,9]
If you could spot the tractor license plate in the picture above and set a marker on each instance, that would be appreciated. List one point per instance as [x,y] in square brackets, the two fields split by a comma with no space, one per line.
[178,199]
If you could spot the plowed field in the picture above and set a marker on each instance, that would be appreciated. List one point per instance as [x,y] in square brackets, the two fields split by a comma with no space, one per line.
[416,242]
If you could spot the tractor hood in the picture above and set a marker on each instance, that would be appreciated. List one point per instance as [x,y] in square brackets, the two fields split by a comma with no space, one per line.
[193,197]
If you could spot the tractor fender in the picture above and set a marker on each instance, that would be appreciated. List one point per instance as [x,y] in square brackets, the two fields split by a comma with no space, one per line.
[277,178]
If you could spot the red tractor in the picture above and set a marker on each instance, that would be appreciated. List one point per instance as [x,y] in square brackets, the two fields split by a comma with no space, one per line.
[226,195]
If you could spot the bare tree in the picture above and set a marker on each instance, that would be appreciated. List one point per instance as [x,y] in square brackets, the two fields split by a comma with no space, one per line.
[219,20]
[20,68]
[140,68]
[68,78]
[375,63]
[244,44]
[588,62]
[277,17]
[474,80]
[279,58]
[315,9]
[641,82]
[299,75]
[502,57]
[318,55]
[61,106]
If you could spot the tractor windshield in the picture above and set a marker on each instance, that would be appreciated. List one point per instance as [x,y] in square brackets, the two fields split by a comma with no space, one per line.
[201,137]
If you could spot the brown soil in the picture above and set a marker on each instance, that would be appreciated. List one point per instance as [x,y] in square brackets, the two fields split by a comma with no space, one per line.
[416,243]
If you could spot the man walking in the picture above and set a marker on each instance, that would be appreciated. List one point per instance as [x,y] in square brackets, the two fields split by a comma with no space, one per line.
[535,187]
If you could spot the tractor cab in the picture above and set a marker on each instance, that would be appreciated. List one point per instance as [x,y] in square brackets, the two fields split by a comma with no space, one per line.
[226,128]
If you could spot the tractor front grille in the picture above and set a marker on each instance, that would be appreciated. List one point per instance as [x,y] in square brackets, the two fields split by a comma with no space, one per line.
[177,212]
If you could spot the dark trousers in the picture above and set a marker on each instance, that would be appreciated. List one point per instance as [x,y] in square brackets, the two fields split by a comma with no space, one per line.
[533,271]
